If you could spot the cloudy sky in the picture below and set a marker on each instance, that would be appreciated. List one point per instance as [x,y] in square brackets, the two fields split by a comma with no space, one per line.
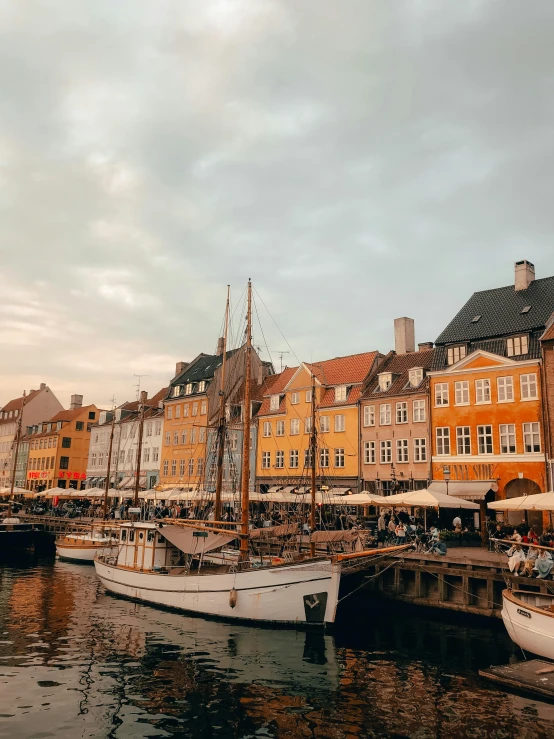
[359,160]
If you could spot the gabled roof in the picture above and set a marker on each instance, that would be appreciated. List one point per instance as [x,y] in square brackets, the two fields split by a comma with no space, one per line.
[495,359]
[275,385]
[493,346]
[71,414]
[549,333]
[201,368]
[15,404]
[500,313]
[343,370]
[400,365]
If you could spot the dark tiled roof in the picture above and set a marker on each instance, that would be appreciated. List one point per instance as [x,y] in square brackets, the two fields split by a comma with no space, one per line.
[500,311]
[201,368]
[399,365]
[494,346]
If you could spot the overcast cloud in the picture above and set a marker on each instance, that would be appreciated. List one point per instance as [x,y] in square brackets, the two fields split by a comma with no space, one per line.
[359,160]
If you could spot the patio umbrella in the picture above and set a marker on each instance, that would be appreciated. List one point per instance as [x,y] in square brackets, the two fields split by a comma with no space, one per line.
[429,499]
[538,502]
[361,499]
[58,493]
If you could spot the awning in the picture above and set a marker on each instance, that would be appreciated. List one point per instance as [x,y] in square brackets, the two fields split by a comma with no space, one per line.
[125,482]
[275,489]
[339,491]
[142,482]
[466,489]
[303,489]
[184,539]
[288,489]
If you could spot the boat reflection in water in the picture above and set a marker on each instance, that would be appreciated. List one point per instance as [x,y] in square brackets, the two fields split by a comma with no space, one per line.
[77,662]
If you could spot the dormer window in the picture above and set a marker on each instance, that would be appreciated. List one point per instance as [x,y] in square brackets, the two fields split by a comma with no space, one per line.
[59,426]
[340,393]
[517,345]
[415,376]
[455,353]
[385,381]
[274,403]
[118,415]
[188,389]
[177,390]
[202,386]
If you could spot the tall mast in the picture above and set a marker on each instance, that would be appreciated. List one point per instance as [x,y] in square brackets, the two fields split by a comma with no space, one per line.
[313,452]
[222,420]
[139,450]
[245,499]
[105,506]
[17,440]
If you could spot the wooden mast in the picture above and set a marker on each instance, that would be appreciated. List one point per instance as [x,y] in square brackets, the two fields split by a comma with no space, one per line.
[222,419]
[139,450]
[313,451]
[245,498]
[17,440]
[105,506]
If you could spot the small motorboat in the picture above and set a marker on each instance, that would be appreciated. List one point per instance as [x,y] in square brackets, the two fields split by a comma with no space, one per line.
[84,547]
[529,620]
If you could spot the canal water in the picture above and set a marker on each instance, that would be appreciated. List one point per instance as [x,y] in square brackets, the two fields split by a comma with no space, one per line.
[76,662]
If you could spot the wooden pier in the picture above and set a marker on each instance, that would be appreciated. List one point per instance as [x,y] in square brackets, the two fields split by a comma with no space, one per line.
[469,580]
[56,525]
[534,677]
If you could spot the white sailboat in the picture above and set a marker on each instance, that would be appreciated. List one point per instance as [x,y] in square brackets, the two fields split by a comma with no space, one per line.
[529,620]
[165,564]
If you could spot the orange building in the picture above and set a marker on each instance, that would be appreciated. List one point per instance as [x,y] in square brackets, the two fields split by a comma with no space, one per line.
[58,448]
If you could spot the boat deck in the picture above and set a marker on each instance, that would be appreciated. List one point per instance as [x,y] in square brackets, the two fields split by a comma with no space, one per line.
[535,677]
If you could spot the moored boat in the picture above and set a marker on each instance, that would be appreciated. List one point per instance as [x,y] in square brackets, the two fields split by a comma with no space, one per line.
[529,620]
[84,547]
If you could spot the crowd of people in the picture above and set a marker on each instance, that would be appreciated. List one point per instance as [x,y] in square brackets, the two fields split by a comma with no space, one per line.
[527,551]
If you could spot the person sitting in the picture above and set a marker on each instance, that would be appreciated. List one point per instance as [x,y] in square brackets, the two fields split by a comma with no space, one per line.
[543,564]
[516,559]
[437,546]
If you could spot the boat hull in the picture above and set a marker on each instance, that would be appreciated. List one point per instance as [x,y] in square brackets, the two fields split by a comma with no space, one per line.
[305,593]
[528,623]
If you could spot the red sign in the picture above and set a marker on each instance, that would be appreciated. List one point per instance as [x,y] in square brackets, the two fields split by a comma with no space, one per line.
[37,475]
[72,475]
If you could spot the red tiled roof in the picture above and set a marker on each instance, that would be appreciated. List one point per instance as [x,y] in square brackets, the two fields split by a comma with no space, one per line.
[69,415]
[15,404]
[549,333]
[343,370]
[275,385]
[328,399]
[399,365]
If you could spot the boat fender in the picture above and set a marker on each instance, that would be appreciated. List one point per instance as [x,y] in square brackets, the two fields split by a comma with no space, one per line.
[233,597]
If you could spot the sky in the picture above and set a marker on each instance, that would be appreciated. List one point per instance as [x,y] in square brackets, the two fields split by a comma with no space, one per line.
[359,161]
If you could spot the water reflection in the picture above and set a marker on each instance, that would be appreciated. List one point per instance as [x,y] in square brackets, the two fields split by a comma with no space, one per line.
[77,662]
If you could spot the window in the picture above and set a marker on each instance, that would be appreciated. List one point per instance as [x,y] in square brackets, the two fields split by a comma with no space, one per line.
[441,393]
[528,384]
[199,466]
[308,459]
[443,440]
[402,412]
[193,435]
[415,376]
[184,436]
[463,440]
[339,457]
[531,437]
[66,442]
[280,459]
[177,391]
[461,392]
[173,467]
[295,398]
[129,456]
[384,414]
[202,435]
[507,438]
[267,428]
[91,415]
[101,459]
[280,428]
[340,423]
[324,458]
[402,450]
[203,408]
[455,353]
[369,452]
[167,438]
[266,460]
[195,409]
[517,345]
[484,439]
[293,458]
[93,460]
[186,410]
[324,424]
[294,426]
[191,467]
[308,425]
[146,454]
[369,415]
[274,402]
[482,391]
[308,396]
[188,388]
[386,452]
[80,426]
[419,411]
[158,428]
[340,393]
[420,450]
[177,412]
[169,412]
[385,381]
[64,463]
[175,437]
[124,430]
[155,453]
[505,386]
[202,386]
[166,467]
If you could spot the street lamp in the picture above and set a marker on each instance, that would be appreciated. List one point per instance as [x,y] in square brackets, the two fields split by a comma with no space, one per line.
[446,475]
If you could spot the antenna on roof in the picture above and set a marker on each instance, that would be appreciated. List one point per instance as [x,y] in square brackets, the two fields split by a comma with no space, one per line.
[281,354]
[138,384]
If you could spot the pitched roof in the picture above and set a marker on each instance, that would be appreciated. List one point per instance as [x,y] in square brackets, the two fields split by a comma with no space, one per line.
[494,346]
[400,365]
[275,385]
[201,368]
[69,415]
[500,313]
[15,404]
[549,333]
[343,370]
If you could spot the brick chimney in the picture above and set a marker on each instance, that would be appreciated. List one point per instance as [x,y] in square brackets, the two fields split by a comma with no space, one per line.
[180,367]
[424,346]
[404,335]
[76,402]
[42,385]
[220,345]
[143,396]
[524,274]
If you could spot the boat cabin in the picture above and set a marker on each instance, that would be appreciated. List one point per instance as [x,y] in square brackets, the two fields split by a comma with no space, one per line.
[142,546]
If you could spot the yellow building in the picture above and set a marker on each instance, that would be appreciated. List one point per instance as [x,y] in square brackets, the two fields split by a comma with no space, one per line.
[284,424]
[58,448]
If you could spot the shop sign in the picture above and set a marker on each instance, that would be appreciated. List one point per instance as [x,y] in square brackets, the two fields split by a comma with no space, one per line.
[65,474]
[38,475]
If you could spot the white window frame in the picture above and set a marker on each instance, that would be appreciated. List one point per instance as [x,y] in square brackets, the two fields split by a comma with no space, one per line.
[274,402]
[531,431]
[402,412]
[308,425]
[340,393]
[294,426]
[385,414]
[420,450]
[463,440]
[443,441]
[517,346]
[507,435]
[385,451]
[339,458]
[308,396]
[415,376]
[340,423]
[461,392]
[169,413]
[402,451]
[441,395]
[324,424]
[483,391]
[385,381]
[280,428]
[295,398]
[419,411]
[369,452]
[266,429]
[266,460]
[293,459]
[324,458]
[483,437]
[527,383]
[279,459]
[505,389]
[455,353]
[369,415]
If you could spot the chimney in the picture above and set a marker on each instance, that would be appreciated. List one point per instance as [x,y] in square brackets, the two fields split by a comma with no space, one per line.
[220,345]
[524,274]
[424,346]
[42,385]
[76,402]
[143,396]
[260,374]
[180,367]
[404,335]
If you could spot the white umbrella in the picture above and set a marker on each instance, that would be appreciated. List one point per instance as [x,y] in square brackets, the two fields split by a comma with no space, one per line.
[429,499]
[357,499]
[58,492]
[538,502]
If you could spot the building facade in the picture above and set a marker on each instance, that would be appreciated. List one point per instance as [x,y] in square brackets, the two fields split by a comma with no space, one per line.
[395,453]
[58,448]
[283,457]
[39,404]
[547,354]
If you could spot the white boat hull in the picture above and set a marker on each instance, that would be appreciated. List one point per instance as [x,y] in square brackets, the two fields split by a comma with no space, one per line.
[528,622]
[302,593]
